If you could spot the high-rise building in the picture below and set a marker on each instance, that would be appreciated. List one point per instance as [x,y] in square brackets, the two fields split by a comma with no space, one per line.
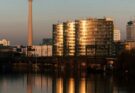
[131,31]
[69,38]
[91,37]
[82,36]
[58,40]
[116,35]
[94,37]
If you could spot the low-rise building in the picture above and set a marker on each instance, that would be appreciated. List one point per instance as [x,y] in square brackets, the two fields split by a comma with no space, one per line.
[4,42]
[129,45]
[35,50]
[20,49]
[42,50]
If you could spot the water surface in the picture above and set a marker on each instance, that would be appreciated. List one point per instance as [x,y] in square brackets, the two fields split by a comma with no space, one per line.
[68,83]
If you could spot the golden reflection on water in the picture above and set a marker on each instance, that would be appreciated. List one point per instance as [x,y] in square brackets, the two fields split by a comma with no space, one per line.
[59,85]
[36,83]
[71,86]
[82,88]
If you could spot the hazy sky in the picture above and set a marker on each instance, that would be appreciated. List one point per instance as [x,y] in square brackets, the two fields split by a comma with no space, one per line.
[13,15]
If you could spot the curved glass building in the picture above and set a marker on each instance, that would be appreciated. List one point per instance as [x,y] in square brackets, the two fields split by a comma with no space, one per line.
[58,40]
[86,37]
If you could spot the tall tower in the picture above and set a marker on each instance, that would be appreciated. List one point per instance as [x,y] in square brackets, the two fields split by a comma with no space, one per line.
[30,33]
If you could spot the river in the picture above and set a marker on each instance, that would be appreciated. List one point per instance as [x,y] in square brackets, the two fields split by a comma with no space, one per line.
[55,82]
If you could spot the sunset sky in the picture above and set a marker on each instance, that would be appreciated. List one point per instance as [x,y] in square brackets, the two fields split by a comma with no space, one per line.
[13,16]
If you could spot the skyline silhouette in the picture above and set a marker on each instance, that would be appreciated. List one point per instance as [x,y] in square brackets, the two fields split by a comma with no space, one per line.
[13,24]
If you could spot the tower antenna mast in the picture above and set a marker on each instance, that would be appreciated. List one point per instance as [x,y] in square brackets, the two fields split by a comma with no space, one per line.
[30,28]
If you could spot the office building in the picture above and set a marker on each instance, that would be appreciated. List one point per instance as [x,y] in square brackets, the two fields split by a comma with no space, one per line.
[131,31]
[58,40]
[116,35]
[94,37]
[42,50]
[69,38]
[91,37]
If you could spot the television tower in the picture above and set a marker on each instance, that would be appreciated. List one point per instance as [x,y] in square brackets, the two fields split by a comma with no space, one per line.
[30,33]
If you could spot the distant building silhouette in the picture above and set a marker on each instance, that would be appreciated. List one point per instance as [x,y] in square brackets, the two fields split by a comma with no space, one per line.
[47,41]
[130,41]
[131,31]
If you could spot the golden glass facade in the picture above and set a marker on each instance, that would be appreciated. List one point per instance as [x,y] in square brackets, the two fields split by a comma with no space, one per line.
[94,37]
[58,40]
[91,37]
[69,38]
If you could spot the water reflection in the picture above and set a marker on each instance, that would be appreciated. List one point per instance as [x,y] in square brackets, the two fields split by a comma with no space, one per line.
[59,85]
[82,87]
[29,83]
[46,83]
[71,88]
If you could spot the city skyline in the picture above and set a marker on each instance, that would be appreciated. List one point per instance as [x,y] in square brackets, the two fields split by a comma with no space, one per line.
[13,24]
